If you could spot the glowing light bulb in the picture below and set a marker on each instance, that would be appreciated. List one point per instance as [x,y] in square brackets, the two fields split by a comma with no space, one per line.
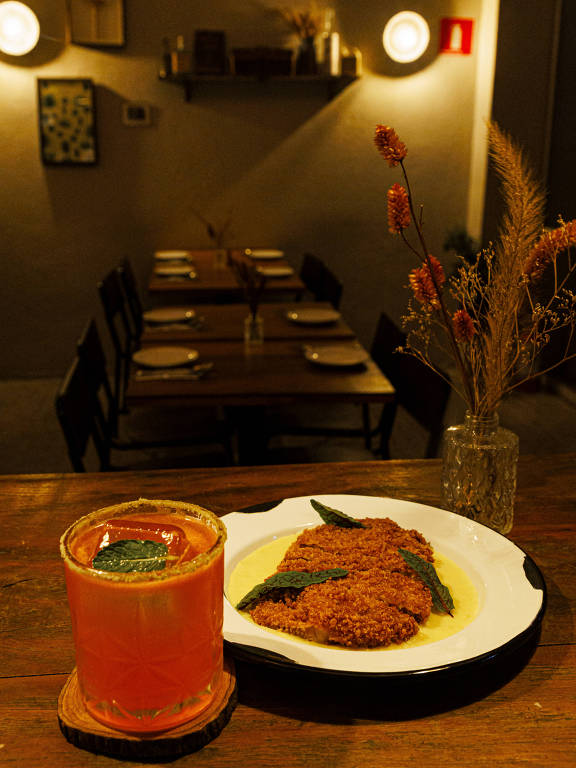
[406,36]
[19,28]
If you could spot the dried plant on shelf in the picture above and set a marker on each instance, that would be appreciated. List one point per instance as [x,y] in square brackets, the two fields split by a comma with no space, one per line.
[305,22]
[251,281]
[496,314]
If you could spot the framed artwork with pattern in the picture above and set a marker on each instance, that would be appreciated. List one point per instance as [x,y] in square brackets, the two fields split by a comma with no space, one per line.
[67,121]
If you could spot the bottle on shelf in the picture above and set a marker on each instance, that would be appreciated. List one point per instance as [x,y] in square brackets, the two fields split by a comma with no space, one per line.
[330,45]
[166,69]
[181,58]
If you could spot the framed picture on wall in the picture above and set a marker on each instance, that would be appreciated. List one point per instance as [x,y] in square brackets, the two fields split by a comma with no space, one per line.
[97,22]
[67,121]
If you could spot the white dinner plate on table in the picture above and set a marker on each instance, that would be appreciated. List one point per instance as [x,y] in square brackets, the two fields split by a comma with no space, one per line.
[264,253]
[168,315]
[173,269]
[336,354]
[172,255]
[276,271]
[165,357]
[510,589]
[313,316]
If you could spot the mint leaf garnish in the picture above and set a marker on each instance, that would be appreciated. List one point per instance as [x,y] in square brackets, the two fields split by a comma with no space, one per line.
[289,580]
[335,517]
[128,555]
[441,597]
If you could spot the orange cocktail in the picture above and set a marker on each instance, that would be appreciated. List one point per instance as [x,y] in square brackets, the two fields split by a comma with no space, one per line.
[148,643]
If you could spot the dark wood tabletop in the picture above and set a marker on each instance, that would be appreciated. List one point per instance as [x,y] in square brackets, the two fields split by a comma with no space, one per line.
[225,322]
[215,281]
[518,713]
[277,374]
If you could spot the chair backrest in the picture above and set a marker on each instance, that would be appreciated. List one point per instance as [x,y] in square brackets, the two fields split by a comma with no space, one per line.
[330,289]
[90,350]
[320,280]
[311,272]
[81,418]
[419,390]
[123,338]
[132,294]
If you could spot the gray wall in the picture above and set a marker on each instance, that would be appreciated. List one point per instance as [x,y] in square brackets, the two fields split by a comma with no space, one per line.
[297,171]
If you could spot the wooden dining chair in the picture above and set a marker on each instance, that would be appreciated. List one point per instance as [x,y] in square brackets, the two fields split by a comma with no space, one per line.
[124,339]
[419,390]
[149,428]
[85,427]
[320,281]
[81,418]
[132,296]
[90,350]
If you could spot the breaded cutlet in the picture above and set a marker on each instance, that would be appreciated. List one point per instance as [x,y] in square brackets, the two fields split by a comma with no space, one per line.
[380,601]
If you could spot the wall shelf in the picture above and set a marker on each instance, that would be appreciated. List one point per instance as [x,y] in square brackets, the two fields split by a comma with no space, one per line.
[333,83]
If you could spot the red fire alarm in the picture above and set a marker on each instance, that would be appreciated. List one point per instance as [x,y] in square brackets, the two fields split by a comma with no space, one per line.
[456,35]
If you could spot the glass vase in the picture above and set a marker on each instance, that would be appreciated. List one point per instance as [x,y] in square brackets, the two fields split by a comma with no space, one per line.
[220,258]
[479,471]
[253,332]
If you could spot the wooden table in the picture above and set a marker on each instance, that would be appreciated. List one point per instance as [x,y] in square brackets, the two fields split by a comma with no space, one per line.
[522,715]
[247,383]
[225,322]
[216,282]
[277,374]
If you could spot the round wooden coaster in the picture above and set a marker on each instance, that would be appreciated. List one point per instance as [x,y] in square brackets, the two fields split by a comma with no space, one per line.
[80,728]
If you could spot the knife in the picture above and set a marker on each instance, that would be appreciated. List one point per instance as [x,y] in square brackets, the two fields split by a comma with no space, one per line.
[158,374]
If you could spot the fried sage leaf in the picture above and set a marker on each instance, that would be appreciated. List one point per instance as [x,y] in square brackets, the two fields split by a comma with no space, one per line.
[441,597]
[335,517]
[288,580]
[128,555]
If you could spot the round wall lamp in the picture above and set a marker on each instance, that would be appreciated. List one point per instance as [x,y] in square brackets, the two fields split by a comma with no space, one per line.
[406,36]
[19,28]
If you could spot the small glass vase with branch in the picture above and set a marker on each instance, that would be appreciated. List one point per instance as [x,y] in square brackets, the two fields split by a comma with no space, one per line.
[252,283]
[216,234]
[493,317]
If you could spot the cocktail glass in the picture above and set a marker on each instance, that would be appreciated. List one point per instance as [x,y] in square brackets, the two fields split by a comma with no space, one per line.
[149,649]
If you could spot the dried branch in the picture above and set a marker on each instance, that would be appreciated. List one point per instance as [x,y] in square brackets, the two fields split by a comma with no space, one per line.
[489,320]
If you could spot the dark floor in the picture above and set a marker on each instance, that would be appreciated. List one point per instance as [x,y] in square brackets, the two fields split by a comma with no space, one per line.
[31,441]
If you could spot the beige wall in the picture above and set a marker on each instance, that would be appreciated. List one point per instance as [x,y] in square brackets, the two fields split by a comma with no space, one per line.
[297,171]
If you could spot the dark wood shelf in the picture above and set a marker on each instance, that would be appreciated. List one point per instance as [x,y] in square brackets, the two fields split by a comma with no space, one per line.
[333,83]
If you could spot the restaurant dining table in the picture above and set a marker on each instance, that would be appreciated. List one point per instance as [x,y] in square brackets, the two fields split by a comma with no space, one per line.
[225,322]
[278,373]
[515,708]
[281,372]
[210,279]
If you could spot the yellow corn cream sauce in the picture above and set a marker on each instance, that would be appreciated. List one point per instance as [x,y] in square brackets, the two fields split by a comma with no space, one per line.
[262,562]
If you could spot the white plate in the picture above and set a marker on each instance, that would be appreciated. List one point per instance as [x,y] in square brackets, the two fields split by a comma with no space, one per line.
[276,271]
[511,589]
[336,354]
[164,357]
[313,316]
[171,255]
[174,269]
[168,315]
[264,253]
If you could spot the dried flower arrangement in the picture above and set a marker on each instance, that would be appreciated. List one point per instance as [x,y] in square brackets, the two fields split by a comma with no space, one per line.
[304,22]
[250,279]
[495,315]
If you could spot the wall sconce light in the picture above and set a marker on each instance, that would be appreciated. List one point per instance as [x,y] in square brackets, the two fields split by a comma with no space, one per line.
[19,28]
[406,36]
